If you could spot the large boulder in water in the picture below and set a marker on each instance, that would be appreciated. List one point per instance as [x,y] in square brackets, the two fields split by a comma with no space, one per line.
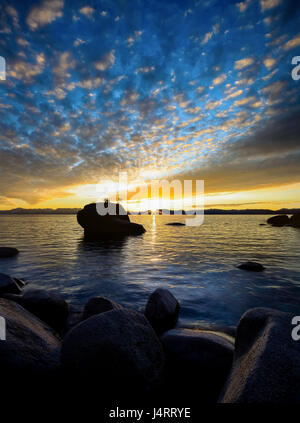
[280,220]
[115,223]
[48,306]
[162,310]
[295,220]
[197,363]
[8,252]
[266,367]
[118,349]
[31,348]
[251,266]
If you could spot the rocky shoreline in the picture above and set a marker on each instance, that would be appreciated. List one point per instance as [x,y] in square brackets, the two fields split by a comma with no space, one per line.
[135,353]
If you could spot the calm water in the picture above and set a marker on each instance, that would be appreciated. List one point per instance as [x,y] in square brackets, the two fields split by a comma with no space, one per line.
[196,263]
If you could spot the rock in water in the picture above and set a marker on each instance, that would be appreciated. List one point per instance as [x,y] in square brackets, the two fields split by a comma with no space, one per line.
[116,224]
[295,220]
[31,347]
[251,266]
[8,252]
[48,306]
[162,310]
[118,348]
[197,363]
[98,305]
[175,224]
[8,285]
[280,220]
[266,367]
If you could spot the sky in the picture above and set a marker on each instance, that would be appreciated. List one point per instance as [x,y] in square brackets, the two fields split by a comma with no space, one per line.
[177,90]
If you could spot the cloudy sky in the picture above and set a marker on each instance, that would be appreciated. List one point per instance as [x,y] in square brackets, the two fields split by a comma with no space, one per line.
[160,89]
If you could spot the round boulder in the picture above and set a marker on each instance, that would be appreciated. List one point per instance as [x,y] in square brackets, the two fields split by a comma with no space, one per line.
[98,305]
[119,348]
[197,363]
[30,346]
[8,285]
[8,252]
[48,306]
[266,366]
[162,310]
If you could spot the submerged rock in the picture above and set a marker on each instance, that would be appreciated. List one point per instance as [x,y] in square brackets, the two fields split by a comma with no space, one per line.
[48,306]
[280,220]
[266,367]
[251,266]
[175,224]
[197,363]
[97,305]
[31,347]
[162,310]
[8,252]
[118,348]
[9,285]
[115,224]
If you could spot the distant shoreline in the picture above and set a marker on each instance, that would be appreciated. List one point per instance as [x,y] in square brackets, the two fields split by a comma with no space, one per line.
[15,212]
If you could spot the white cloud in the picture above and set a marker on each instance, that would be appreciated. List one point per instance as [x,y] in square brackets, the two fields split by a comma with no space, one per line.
[47,12]
[242,6]
[294,42]
[243,63]
[87,11]
[106,62]
[269,4]
[220,79]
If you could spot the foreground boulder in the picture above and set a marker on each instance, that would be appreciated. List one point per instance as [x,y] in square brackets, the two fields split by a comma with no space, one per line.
[9,285]
[98,305]
[266,367]
[117,348]
[48,306]
[280,220]
[197,363]
[8,252]
[114,224]
[31,347]
[251,266]
[162,310]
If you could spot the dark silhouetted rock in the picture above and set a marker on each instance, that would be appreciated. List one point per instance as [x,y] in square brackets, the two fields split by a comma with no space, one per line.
[251,266]
[118,348]
[31,347]
[20,282]
[115,224]
[8,285]
[280,220]
[99,305]
[266,367]
[162,310]
[295,220]
[8,252]
[75,317]
[48,306]
[197,363]
[175,224]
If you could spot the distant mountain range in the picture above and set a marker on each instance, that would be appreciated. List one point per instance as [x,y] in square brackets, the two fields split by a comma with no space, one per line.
[176,212]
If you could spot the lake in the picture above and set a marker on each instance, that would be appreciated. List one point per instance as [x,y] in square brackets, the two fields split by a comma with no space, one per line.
[196,263]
